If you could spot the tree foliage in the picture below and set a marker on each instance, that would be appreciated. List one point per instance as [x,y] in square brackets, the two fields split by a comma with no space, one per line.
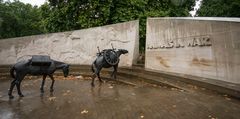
[18,19]
[64,15]
[219,8]
[75,14]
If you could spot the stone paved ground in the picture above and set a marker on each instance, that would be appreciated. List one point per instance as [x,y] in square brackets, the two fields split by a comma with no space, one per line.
[76,99]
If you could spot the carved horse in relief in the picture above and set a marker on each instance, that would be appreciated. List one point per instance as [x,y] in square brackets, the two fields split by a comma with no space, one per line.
[38,65]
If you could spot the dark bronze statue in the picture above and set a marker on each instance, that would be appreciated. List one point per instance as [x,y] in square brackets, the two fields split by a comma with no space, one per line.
[106,59]
[37,65]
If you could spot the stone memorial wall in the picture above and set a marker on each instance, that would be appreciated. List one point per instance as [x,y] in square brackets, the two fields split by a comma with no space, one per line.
[75,47]
[202,47]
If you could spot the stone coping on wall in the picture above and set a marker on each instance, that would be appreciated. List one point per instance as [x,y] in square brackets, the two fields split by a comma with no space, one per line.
[230,19]
[39,35]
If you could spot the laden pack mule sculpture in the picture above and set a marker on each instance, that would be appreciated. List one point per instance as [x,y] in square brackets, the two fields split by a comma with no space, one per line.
[106,59]
[38,65]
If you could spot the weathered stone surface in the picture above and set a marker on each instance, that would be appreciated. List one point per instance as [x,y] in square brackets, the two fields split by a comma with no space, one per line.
[74,47]
[204,47]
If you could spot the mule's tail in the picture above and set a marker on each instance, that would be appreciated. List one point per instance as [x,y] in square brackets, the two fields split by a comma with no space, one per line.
[12,72]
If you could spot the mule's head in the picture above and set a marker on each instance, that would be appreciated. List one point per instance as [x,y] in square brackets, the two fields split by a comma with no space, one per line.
[122,51]
[65,70]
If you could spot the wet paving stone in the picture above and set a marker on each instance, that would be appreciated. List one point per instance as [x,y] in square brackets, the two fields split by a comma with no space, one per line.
[76,99]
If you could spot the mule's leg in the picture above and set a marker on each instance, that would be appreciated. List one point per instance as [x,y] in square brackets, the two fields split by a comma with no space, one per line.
[93,75]
[93,78]
[13,83]
[115,71]
[43,82]
[112,73]
[51,88]
[94,69]
[18,84]
[98,74]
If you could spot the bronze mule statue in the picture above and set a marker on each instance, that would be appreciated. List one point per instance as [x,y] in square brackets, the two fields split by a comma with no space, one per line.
[37,65]
[106,59]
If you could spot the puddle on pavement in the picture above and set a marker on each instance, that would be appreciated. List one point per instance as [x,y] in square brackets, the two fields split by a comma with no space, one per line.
[73,97]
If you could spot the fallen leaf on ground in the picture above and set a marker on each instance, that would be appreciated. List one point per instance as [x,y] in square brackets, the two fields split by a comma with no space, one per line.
[141,116]
[79,77]
[64,94]
[174,106]
[225,95]
[70,77]
[110,87]
[154,85]
[212,117]
[182,90]
[84,112]
[30,77]
[227,98]
[51,98]
[88,78]
[68,91]
[173,89]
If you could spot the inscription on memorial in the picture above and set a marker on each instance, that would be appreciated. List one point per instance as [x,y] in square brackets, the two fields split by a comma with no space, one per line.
[182,42]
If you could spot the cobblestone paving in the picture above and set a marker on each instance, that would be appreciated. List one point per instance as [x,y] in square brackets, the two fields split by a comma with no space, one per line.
[76,99]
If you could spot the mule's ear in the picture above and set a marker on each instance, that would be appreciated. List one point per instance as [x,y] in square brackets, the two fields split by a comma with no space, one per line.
[120,49]
[68,65]
[125,51]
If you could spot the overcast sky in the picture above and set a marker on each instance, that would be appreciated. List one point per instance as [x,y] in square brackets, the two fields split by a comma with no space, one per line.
[196,7]
[32,2]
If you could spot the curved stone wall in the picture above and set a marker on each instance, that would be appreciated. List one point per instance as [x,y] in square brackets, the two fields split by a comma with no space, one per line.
[75,47]
[203,47]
